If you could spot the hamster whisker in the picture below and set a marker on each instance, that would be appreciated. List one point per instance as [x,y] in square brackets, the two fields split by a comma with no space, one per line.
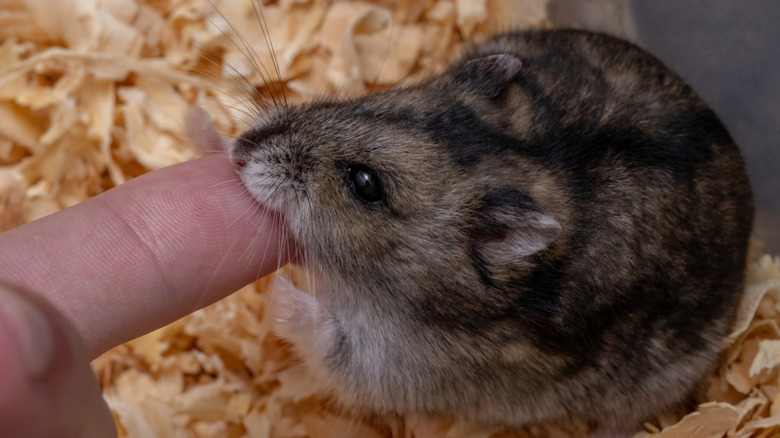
[274,187]
[252,107]
[245,257]
[253,243]
[238,217]
[308,258]
[258,9]
[274,224]
[237,80]
[387,53]
[243,46]
[230,181]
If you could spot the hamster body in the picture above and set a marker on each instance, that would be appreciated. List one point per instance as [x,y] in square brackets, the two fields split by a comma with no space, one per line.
[555,227]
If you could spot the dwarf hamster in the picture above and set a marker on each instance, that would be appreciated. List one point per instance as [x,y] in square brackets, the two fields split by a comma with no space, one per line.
[554,227]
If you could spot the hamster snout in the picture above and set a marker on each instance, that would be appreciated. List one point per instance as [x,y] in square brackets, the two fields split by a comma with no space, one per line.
[552,228]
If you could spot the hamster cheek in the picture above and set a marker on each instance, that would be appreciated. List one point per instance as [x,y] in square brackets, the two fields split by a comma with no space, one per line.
[300,319]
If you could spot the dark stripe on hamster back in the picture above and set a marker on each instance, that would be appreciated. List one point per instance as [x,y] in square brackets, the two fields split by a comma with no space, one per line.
[467,137]
[680,146]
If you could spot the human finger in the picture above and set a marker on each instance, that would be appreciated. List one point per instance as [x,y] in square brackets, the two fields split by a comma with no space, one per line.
[147,252]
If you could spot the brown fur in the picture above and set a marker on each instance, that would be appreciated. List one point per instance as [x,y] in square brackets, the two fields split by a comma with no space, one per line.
[563,234]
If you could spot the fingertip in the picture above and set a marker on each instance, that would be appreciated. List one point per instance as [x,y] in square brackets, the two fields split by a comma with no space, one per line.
[178,239]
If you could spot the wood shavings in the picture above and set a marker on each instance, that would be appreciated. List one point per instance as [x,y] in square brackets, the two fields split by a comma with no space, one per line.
[710,421]
[11,199]
[512,14]
[93,93]
[767,357]
[470,14]
[359,19]
[281,398]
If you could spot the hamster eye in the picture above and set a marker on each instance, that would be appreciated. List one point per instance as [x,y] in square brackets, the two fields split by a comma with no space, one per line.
[365,183]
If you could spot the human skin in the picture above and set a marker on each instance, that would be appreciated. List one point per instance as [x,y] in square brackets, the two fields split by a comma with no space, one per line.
[126,262]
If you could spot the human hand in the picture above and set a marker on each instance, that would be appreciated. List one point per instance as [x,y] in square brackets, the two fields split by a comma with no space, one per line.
[116,266]
[48,388]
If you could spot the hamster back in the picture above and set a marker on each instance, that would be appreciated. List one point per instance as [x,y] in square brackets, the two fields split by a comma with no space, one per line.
[554,227]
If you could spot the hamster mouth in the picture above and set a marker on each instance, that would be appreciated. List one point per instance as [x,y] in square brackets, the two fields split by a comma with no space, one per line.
[292,250]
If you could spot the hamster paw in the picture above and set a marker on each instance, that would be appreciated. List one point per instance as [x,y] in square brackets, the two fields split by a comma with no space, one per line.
[202,133]
[299,318]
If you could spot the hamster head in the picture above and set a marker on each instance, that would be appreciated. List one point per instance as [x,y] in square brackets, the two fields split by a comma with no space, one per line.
[371,194]
[349,189]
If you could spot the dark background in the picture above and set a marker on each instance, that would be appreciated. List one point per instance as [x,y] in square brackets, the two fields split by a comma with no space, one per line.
[729,51]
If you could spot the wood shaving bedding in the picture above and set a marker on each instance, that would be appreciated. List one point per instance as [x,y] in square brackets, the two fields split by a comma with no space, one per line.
[95,92]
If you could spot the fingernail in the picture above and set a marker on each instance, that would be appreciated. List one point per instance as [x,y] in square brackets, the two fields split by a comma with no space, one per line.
[30,329]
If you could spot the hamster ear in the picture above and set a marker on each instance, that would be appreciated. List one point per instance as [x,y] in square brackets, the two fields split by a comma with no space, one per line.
[512,226]
[489,75]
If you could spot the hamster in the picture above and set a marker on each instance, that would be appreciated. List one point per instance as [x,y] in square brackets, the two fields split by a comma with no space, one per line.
[555,227]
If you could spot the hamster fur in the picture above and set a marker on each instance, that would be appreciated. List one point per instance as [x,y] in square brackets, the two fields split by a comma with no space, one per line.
[555,227]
